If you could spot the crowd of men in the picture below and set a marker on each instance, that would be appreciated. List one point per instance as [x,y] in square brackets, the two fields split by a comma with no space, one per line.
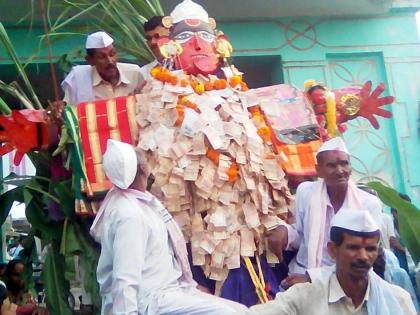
[144,266]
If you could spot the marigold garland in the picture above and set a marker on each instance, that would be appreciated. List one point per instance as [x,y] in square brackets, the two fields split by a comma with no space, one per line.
[164,75]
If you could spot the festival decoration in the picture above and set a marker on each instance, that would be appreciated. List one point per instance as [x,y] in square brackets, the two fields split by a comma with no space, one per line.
[219,150]
[333,110]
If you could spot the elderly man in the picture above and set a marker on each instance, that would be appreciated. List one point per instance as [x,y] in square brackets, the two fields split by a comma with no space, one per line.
[316,205]
[103,77]
[353,288]
[154,31]
[143,267]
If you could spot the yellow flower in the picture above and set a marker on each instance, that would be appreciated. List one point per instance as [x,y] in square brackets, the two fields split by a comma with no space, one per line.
[199,88]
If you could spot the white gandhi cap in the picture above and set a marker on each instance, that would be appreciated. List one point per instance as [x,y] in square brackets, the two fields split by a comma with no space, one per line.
[188,9]
[98,40]
[354,220]
[334,144]
[120,163]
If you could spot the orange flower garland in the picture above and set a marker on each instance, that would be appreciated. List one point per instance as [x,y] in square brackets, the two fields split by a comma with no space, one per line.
[164,75]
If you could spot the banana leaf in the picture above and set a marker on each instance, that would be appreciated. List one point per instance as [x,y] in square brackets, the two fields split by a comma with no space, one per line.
[6,202]
[57,288]
[21,180]
[408,217]
[75,241]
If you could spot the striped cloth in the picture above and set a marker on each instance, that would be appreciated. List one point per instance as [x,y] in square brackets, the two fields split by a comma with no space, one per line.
[90,125]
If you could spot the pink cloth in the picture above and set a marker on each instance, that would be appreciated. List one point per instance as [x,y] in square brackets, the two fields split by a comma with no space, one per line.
[174,232]
[317,216]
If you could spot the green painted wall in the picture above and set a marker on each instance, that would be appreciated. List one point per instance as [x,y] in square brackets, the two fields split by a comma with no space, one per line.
[338,51]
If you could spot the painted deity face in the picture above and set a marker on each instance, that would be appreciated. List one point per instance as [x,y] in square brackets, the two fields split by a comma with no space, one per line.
[198,43]
[317,97]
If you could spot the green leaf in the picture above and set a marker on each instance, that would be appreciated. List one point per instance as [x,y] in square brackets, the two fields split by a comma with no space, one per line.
[66,196]
[6,202]
[38,216]
[4,108]
[56,286]
[76,241]
[408,217]
[21,180]
[7,44]
[123,19]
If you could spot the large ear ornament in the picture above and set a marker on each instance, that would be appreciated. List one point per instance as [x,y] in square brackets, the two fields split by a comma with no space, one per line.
[212,23]
[167,21]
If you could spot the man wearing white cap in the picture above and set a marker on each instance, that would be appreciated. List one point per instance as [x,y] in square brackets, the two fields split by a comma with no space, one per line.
[103,77]
[316,204]
[353,287]
[143,267]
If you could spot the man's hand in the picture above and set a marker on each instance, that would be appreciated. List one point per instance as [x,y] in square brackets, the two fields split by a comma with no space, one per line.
[277,241]
[371,103]
[40,311]
[295,278]
[55,112]
[203,289]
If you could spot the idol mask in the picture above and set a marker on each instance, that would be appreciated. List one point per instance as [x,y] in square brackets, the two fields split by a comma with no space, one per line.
[198,42]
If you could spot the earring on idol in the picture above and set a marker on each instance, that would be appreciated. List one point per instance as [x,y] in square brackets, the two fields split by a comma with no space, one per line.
[170,50]
[223,47]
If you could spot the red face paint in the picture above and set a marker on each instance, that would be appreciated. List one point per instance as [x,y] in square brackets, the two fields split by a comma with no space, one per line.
[198,43]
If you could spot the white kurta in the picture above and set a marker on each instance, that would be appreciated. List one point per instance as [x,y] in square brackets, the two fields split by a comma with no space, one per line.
[325,298]
[298,234]
[84,84]
[137,271]
[387,230]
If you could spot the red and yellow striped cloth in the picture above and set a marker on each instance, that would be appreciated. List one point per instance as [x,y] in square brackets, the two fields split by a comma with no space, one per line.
[99,121]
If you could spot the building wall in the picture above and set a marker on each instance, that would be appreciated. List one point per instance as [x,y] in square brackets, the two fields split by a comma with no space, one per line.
[348,51]
[338,51]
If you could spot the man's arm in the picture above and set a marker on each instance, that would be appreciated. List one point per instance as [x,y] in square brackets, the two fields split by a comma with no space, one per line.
[129,248]
[286,236]
[294,301]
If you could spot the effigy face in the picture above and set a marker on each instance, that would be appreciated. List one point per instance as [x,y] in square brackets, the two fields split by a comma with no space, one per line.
[318,100]
[198,42]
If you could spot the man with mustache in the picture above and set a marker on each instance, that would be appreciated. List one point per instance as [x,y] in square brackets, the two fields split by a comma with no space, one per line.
[103,77]
[316,204]
[353,288]
[154,30]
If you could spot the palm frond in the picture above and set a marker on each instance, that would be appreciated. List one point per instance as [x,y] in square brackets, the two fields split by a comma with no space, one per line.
[14,90]
[7,44]
[4,108]
[123,19]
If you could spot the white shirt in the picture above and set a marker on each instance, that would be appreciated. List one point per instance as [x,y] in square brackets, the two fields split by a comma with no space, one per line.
[145,70]
[387,230]
[84,84]
[136,260]
[298,235]
[324,298]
